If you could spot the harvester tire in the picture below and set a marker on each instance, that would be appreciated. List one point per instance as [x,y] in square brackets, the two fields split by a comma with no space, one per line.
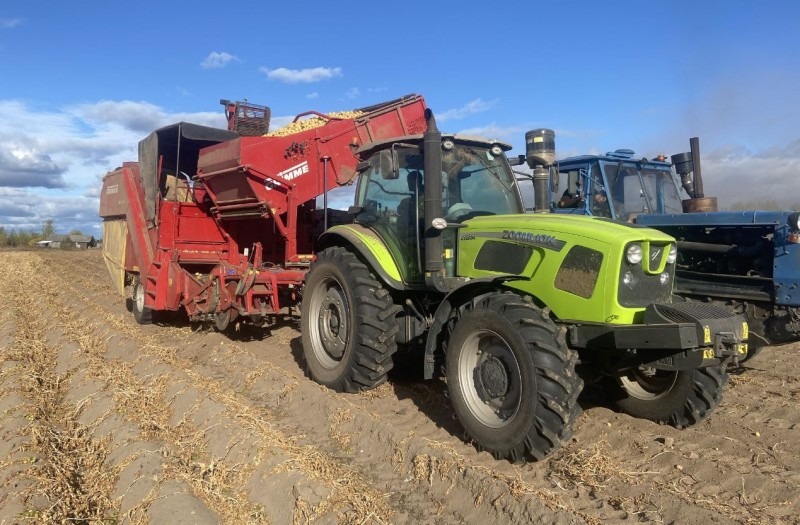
[511,378]
[681,399]
[141,313]
[348,323]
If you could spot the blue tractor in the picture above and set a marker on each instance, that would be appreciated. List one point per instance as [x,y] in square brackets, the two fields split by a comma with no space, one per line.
[747,261]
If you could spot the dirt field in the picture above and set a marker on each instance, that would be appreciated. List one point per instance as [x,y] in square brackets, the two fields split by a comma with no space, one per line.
[106,421]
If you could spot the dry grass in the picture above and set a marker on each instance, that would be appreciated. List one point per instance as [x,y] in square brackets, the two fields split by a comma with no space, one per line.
[589,464]
[576,470]
[516,486]
[71,483]
[335,422]
[351,496]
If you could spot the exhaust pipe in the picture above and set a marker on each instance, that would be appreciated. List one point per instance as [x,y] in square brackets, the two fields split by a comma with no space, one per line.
[687,166]
[683,167]
[432,150]
[694,145]
[540,153]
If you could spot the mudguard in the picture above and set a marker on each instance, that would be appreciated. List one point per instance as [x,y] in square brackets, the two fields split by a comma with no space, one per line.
[370,246]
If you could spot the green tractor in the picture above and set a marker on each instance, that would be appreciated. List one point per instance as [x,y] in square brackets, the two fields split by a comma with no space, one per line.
[516,310]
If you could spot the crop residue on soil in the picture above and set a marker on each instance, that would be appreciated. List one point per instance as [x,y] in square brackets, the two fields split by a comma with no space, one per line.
[105,420]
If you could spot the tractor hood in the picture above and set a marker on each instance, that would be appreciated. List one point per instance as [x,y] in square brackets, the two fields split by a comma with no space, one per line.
[596,229]
[572,260]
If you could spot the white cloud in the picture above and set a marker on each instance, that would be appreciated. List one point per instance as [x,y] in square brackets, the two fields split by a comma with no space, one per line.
[25,210]
[52,162]
[353,93]
[470,108]
[218,59]
[10,23]
[493,131]
[22,165]
[141,117]
[312,96]
[301,76]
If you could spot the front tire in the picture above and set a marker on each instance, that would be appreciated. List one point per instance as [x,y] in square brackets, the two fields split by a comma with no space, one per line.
[141,313]
[347,323]
[680,399]
[512,379]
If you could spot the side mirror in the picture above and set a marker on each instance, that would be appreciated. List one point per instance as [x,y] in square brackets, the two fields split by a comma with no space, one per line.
[387,163]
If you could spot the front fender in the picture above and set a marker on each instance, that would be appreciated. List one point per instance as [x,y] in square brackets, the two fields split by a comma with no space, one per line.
[370,246]
[451,302]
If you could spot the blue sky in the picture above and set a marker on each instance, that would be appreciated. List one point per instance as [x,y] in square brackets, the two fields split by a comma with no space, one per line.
[82,82]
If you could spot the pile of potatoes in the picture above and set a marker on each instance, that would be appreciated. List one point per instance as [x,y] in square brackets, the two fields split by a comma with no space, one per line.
[311,123]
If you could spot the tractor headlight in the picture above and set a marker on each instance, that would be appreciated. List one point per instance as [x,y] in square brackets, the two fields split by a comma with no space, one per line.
[794,221]
[672,256]
[664,278]
[634,253]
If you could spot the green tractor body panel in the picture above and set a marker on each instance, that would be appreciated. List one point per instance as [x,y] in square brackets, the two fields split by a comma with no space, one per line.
[573,265]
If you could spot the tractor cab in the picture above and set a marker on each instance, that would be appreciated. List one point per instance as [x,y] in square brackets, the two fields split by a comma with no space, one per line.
[615,185]
[475,180]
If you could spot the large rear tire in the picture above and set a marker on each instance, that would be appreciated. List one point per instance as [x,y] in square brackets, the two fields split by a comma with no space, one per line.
[348,323]
[680,399]
[512,379]
[141,313]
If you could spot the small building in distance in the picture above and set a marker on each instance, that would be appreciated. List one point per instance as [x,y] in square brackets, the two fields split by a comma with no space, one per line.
[57,240]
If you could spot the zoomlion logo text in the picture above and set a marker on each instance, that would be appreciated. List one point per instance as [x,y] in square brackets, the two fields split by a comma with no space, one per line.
[288,174]
[531,238]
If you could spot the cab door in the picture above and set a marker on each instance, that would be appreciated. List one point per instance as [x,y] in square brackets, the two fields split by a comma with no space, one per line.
[391,197]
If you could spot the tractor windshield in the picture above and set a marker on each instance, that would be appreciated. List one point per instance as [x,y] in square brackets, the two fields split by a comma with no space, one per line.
[637,190]
[475,181]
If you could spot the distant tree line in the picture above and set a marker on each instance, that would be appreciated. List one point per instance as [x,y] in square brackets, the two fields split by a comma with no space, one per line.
[18,238]
[12,238]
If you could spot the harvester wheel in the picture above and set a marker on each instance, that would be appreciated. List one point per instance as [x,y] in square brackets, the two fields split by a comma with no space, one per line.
[512,379]
[680,399]
[142,314]
[222,320]
[348,323]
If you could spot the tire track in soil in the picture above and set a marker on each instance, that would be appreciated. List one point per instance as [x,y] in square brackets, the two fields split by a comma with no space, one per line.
[617,469]
[423,467]
[65,478]
[343,488]
[412,493]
